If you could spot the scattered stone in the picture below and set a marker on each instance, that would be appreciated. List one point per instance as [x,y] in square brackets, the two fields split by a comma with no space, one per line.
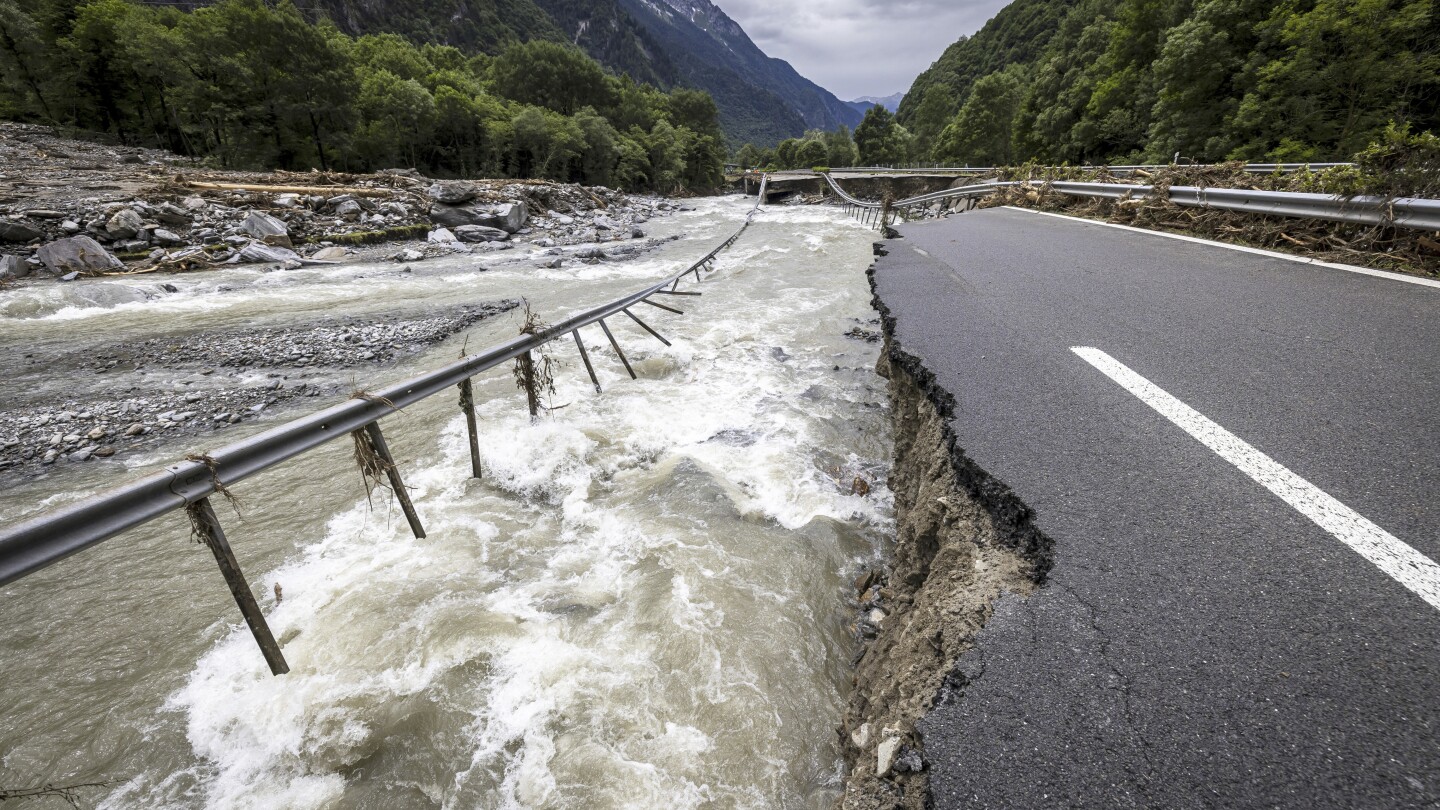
[331,254]
[442,236]
[268,229]
[124,224]
[480,233]
[605,223]
[164,237]
[885,754]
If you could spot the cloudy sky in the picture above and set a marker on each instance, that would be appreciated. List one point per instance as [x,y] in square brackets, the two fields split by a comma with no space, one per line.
[859,47]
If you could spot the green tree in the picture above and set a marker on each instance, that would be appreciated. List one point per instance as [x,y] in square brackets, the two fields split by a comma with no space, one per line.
[547,74]
[879,140]
[811,153]
[1342,70]
[982,132]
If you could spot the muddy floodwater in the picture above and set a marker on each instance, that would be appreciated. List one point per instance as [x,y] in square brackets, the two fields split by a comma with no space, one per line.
[645,603]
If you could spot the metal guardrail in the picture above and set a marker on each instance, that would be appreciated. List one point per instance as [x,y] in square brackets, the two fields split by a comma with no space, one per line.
[1404,212]
[49,537]
[1253,168]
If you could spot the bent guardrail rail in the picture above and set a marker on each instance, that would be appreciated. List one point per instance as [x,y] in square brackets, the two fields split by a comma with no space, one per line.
[47,538]
[1404,212]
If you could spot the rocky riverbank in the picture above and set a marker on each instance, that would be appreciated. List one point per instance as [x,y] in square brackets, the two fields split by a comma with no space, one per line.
[72,209]
[215,379]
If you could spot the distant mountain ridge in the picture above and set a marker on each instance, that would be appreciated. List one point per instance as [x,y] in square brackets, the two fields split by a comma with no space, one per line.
[762,100]
[667,43]
[891,103]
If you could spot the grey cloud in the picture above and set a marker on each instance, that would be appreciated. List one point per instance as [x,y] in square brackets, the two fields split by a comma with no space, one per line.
[860,47]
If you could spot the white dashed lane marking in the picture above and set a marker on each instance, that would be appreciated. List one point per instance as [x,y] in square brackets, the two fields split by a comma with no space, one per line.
[1388,553]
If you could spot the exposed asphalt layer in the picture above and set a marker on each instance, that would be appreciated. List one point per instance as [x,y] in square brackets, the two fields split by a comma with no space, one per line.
[1199,643]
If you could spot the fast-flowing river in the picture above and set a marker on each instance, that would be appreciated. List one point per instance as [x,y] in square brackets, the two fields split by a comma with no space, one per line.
[645,603]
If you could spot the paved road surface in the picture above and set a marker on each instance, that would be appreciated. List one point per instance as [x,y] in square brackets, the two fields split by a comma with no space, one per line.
[1202,642]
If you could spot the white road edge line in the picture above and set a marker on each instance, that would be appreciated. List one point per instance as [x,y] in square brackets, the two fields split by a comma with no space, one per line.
[1274,254]
[1388,553]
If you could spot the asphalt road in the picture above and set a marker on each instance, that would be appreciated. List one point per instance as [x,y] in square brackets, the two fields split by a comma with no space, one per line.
[1201,642]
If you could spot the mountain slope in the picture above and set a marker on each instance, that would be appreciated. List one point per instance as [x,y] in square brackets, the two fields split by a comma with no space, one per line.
[891,103]
[762,99]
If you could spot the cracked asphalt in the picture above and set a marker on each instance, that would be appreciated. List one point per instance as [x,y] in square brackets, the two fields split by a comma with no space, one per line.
[1199,643]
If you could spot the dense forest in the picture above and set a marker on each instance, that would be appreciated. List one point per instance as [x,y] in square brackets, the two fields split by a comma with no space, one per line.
[247,84]
[1131,81]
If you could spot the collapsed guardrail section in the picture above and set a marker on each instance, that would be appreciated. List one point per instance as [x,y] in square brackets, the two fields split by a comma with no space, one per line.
[52,536]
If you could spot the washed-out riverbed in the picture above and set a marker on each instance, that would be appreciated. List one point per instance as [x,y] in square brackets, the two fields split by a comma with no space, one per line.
[646,602]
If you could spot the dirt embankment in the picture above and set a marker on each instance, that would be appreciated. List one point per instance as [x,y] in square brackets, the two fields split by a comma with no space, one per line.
[962,540]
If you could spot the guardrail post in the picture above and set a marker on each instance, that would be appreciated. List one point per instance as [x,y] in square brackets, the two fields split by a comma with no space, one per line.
[532,393]
[467,404]
[377,440]
[645,326]
[207,526]
[616,346]
[585,356]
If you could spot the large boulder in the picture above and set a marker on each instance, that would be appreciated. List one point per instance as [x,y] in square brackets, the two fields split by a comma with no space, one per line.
[510,216]
[453,192]
[76,254]
[480,233]
[454,216]
[124,224]
[11,231]
[268,229]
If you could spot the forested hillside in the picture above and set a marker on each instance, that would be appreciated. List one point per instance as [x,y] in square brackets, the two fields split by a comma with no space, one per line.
[245,84]
[1207,80]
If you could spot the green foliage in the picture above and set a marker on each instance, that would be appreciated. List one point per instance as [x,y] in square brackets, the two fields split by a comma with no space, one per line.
[881,141]
[1124,81]
[250,84]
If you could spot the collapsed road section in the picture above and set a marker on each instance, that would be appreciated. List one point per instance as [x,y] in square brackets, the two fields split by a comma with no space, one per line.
[1204,634]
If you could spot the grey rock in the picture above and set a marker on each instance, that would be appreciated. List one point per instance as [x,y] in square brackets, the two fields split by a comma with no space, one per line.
[76,254]
[331,254]
[455,216]
[172,214]
[452,192]
[124,224]
[12,231]
[442,236]
[71,227]
[349,210]
[411,255]
[637,233]
[257,253]
[12,267]
[164,237]
[195,203]
[267,229]
[605,223]
[509,217]
[480,233]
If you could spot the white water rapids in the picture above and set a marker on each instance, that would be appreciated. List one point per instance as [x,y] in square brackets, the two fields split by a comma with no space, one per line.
[645,603]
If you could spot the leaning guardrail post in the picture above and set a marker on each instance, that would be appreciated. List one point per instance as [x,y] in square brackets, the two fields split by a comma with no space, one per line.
[645,326]
[383,460]
[585,356]
[467,404]
[662,306]
[207,528]
[616,345]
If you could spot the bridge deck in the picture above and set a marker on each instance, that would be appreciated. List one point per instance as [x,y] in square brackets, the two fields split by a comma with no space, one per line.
[1201,641]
